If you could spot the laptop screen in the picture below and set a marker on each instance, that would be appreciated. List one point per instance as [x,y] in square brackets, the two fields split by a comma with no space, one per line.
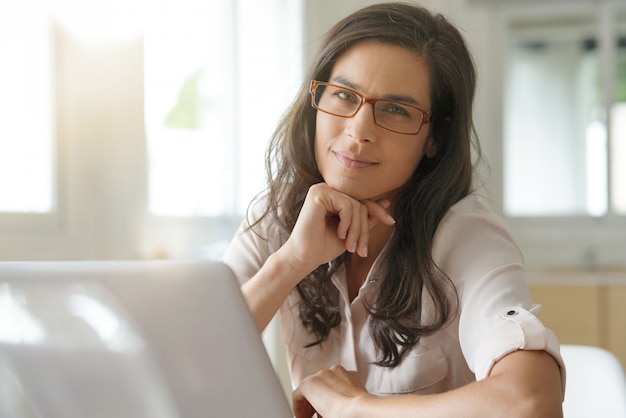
[130,339]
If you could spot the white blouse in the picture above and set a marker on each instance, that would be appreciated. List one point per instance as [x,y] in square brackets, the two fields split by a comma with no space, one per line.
[495,313]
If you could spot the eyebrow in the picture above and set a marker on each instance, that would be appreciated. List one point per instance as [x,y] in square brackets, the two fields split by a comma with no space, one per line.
[391,97]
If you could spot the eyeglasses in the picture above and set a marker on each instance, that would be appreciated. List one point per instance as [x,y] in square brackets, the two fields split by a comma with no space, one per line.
[344,102]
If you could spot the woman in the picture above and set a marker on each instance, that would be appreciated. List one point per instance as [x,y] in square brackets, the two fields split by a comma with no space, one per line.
[390,275]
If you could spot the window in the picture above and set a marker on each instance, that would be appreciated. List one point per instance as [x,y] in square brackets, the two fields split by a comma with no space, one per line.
[215,77]
[218,75]
[26,140]
[564,117]
[559,122]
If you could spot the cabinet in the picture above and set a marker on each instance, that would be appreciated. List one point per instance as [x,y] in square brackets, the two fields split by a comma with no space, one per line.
[584,308]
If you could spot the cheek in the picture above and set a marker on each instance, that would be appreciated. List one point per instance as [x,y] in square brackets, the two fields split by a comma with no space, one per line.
[406,163]
[409,158]
[326,126]
[318,142]
[325,130]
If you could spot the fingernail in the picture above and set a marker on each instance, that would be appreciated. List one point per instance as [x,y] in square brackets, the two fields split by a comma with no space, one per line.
[365,250]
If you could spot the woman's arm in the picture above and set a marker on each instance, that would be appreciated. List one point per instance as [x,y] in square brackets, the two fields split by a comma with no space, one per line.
[329,223]
[522,384]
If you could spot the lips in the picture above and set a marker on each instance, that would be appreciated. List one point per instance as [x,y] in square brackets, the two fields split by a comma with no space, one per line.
[350,160]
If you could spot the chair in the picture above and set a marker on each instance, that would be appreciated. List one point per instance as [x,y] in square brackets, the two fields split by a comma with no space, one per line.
[595,385]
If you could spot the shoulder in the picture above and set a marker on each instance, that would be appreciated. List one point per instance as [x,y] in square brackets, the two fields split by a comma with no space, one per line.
[257,237]
[471,207]
[260,221]
[471,236]
[471,219]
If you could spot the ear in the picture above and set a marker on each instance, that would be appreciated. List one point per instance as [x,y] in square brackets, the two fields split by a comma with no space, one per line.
[430,147]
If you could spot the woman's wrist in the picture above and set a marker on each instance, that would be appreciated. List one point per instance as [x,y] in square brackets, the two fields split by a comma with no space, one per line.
[290,265]
[362,406]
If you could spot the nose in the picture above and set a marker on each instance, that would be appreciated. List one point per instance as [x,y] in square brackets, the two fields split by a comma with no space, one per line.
[361,126]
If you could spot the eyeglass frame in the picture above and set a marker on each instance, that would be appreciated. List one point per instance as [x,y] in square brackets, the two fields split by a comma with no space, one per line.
[426,115]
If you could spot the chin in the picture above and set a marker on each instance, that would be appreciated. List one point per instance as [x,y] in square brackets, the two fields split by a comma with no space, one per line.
[358,192]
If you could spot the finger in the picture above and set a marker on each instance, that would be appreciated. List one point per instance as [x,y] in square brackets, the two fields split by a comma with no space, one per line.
[364,235]
[377,212]
[357,212]
[344,212]
[337,207]
[385,203]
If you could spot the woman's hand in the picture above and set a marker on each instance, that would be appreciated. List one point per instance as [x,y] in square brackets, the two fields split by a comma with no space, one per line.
[329,393]
[332,222]
[329,223]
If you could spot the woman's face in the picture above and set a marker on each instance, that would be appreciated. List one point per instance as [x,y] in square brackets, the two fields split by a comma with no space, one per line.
[356,156]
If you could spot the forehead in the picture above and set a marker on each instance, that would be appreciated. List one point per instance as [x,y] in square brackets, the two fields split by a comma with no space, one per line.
[379,69]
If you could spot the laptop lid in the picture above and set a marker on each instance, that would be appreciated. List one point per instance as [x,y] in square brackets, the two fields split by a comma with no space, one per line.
[158,339]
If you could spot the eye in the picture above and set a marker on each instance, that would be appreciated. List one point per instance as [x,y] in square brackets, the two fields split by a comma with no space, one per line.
[393,109]
[346,95]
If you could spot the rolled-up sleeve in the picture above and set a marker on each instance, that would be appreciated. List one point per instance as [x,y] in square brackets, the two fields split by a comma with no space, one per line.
[497,316]
[518,329]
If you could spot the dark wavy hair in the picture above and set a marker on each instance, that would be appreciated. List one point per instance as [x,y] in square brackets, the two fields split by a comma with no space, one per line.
[408,274]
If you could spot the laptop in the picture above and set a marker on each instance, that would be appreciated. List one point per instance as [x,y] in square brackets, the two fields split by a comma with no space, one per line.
[153,339]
